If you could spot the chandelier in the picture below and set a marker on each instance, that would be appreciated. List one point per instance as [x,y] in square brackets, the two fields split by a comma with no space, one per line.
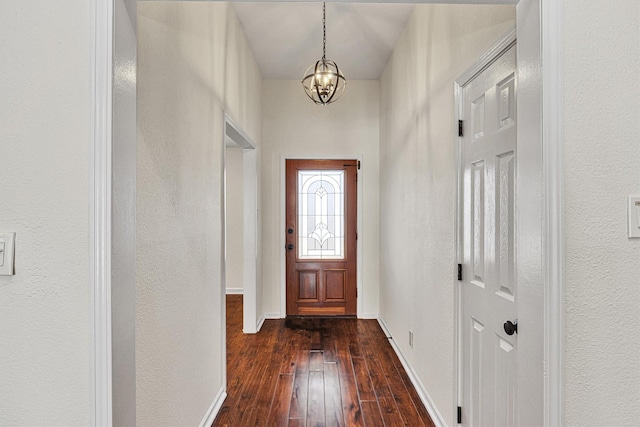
[323,82]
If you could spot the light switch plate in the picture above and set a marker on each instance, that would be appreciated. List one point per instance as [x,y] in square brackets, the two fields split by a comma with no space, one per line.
[634,217]
[7,245]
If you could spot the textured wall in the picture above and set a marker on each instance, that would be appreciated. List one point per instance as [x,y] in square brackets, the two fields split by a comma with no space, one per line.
[295,127]
[602,167]
[417,182]
[45,312]
[193,62]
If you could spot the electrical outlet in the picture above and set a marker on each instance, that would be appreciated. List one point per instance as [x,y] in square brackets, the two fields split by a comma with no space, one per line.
[410,338]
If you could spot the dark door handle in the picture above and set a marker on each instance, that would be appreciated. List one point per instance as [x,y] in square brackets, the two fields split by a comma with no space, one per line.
[290,246]
[290,231]
[511,328]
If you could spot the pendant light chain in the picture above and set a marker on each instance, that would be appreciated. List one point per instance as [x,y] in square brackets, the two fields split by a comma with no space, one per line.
[324,31]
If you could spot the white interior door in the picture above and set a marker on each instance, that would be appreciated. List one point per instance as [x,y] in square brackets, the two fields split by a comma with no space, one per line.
[488,288]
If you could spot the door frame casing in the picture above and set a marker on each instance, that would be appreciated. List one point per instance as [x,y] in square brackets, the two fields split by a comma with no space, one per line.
[283,225]
[553,227]
[100,226]
[493,54]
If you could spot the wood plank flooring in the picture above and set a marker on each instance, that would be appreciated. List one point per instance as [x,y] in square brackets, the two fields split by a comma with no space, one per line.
[315,372]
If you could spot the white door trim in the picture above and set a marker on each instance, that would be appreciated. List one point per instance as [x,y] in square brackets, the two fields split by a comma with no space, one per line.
[223,257]
[283,224]
[552,16]
[100,207]
[488,58]
[482,63]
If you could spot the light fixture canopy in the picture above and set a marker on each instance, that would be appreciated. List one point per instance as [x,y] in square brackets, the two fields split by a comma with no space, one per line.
[323,81]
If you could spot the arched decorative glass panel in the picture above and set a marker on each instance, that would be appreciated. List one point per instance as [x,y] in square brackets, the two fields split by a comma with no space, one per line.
[321,214]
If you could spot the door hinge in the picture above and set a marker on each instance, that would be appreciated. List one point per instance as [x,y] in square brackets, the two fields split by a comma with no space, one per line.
[356,234]
[358,164]
[459,414]
[459,271]
[460,128]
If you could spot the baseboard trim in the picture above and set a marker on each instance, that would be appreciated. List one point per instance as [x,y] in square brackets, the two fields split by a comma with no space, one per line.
[369,316]
[436,416]
[260,323]
[235,291]
[214,408]
[272,316]
[258,327]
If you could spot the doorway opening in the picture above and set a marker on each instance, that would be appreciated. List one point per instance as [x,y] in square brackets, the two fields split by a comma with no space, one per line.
[241,221]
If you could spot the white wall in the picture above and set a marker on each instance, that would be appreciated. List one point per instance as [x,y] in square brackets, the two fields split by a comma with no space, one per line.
[193,62]
[602,168]
[294,127]
[234,220]
[417,183]
[45,312]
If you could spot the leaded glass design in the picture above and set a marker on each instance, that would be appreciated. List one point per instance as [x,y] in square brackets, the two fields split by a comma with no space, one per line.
[321,214]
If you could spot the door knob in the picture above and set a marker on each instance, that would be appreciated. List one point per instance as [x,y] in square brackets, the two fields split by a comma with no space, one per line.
[290,246]
[290,231]
[511,328]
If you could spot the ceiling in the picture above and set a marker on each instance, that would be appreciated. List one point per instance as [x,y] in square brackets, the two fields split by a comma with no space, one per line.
[286,38]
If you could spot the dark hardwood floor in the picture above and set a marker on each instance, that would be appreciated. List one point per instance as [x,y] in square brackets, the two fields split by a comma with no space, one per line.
[315,372]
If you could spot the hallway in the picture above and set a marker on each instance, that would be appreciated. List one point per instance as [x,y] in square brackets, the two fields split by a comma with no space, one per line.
[315,372]
[113,247]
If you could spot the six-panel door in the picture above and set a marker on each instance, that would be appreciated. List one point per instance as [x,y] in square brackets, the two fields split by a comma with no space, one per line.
[489,290]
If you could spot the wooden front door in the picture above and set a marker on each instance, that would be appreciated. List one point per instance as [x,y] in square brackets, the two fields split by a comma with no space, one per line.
[321,237]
